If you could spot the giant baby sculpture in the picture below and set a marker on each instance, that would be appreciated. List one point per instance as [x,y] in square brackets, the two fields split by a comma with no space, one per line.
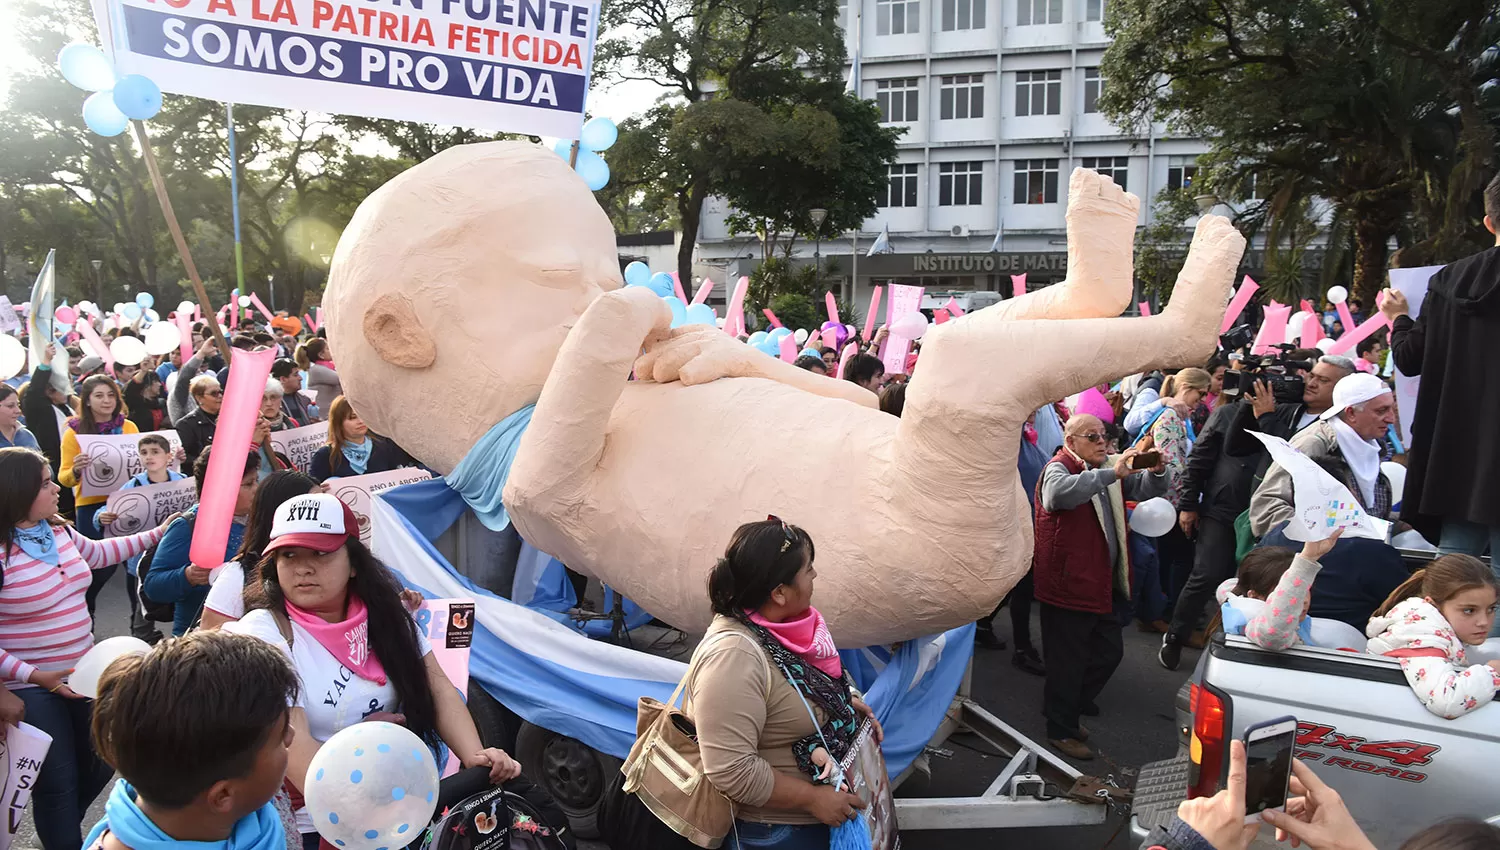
[485,280]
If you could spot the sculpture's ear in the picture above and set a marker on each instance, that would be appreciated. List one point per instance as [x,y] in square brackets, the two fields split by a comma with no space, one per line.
[394,331]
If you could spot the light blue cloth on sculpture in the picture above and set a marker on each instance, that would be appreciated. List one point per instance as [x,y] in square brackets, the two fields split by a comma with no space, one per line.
[480,477]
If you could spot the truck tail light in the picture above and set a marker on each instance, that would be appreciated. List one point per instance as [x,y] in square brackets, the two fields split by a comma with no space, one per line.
[1208,748]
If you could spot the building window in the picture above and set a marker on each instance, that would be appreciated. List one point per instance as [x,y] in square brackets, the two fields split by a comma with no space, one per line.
[1030,12]
[901,186]
[963,15]
[1038,93]
[961,96]
[1180,171]
[960,184]
[1093,10]
[1251,187]
[1036,181]
[1114,167]
[1093,87]
[897,100]
[897,17]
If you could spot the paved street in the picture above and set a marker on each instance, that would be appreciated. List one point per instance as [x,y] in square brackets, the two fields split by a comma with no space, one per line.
[1135,728]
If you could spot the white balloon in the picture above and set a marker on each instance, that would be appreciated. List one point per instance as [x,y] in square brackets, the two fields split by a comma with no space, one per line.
[12,356]
[1153,517]
[800,335]
[1396,474]
[127,350]
[371,785]
[86,673]
[910,326]
[244,301]
[162,338]
[186,307]
[151,315]
[1324,344]
[1338,294]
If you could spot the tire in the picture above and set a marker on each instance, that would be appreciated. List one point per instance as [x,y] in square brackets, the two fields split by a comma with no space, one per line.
[576,775]
[497,724]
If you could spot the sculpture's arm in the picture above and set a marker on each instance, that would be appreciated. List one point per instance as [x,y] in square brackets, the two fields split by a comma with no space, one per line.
[699,354]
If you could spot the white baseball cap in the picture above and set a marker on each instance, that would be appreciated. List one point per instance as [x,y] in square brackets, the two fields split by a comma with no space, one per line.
[316,521]
[1353,389]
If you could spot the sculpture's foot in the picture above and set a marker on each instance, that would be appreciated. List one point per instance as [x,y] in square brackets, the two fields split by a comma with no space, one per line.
[1202,288]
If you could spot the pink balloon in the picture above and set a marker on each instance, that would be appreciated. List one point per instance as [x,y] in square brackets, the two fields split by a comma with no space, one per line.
[65,314]
[248,371]
[1092,402]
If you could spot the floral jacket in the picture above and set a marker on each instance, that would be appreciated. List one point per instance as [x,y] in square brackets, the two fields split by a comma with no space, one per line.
[1432,657]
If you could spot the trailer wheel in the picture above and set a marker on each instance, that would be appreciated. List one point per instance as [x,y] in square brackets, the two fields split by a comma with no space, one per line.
[575,774]
[497,725]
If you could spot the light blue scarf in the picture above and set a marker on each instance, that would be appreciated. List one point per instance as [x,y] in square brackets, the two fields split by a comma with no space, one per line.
[260,830]
[358,454]
[480,476]
[38,541]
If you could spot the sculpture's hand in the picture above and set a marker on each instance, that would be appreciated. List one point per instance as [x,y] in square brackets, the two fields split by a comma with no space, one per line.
[697,354]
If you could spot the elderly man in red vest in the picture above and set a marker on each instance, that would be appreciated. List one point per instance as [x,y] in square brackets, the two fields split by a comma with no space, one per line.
[1082,572]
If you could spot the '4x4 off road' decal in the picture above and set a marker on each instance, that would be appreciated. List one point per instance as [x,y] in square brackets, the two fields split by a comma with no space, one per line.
[1400,754]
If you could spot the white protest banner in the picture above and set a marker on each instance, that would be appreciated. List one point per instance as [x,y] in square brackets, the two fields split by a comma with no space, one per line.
[300,444]
[1413,284]
[1321,504]
[520,66]
[902,300]
[113,459]
[449,627]
[356,491]
[9,322]
[144,508]
[22,753]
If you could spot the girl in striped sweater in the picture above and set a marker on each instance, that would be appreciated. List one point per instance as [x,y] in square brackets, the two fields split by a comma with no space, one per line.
[45,629]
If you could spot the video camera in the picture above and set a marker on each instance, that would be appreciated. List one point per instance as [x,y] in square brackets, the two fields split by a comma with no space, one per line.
[1277,370]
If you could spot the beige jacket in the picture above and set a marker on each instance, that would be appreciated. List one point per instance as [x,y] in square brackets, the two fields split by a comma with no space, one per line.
[748,717]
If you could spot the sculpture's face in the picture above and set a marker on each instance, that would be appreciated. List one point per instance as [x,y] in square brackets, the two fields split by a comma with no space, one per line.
[455,285]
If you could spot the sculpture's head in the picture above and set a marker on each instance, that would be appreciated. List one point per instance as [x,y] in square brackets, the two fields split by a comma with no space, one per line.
[453,288]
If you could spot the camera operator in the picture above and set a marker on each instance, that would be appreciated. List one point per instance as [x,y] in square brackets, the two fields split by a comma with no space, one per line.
[1221,474]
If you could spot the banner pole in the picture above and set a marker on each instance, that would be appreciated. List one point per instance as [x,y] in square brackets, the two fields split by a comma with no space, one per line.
[234,199]
[165,201]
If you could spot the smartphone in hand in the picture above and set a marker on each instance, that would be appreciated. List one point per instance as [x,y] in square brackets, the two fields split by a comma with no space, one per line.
[1269,750]
[1145,460]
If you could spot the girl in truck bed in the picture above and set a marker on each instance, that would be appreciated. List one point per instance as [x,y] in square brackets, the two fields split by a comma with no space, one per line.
[1427,621]
[1268,598]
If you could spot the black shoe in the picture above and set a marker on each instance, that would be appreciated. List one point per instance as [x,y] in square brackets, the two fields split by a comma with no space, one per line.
[1170,654]
[988,639]
[1027,659]
[1089,710]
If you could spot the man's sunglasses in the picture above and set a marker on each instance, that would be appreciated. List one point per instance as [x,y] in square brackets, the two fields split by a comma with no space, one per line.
[1095,437]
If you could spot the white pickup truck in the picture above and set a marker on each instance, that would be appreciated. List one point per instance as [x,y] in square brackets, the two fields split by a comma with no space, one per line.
[1398,767]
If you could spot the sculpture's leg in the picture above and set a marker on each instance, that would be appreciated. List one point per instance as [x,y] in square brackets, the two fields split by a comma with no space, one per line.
[563,445]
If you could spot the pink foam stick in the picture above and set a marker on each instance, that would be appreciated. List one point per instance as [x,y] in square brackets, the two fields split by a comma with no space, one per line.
[1312,331]
[1307,306]
[1273,330]
[788,348]
[248,371]
[197,312]
[736,310]
[234,310]
[702,295]
[86,330]
[677,288]
[320,317]
[261,306]
[870,315]
[833,308]
[308,320]
[1237,303]
[940,316]
[849,352]
[771,317]
[1356,336]
[185,328]
[1018,284]
[1345,316]
[1145,308]
[952,307]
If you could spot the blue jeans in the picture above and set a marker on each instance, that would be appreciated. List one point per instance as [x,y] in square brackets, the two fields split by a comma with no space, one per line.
[72,774]
[780,836]
[1148,602]
[1461,537]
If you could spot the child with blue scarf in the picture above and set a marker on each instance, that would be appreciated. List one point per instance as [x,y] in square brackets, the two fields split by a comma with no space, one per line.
[198,729]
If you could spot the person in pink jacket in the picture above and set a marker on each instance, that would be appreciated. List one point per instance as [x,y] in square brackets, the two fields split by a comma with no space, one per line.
[1426,623]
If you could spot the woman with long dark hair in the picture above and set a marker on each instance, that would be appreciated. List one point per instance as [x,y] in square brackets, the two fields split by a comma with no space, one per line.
[352,449]
[100,410]
[145,401]
[12,432]
[240,576]
[45,629]
[337,612]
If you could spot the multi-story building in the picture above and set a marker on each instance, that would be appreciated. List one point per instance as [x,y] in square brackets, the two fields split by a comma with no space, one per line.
[1000,101]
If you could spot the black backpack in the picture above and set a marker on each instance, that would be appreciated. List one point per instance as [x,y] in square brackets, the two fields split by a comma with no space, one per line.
[158,612]
[494,819]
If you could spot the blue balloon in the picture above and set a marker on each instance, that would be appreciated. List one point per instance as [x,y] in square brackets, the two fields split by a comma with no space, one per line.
[132,311]
[563,148]
[778,333]
[701,314]
[811,352]
[756,338]
[598,134]
[661,284]
[86,66]
[679,310]
[146,300]
[769,346]
[102,116]
[637,274]
[593,169]
[138,97]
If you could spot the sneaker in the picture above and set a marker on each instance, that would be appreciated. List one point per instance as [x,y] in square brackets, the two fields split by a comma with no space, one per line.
[988,639]
[1170,654]
[1072,748]
[1028,660]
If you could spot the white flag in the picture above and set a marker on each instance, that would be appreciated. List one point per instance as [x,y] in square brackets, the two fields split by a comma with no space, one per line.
[1321,504]
[882,242]
[39,323]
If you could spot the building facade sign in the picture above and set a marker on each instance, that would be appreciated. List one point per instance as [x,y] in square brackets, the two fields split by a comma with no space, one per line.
[1010,262]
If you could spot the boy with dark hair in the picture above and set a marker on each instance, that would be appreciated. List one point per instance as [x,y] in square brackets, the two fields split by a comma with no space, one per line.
[198,729]
[156,459]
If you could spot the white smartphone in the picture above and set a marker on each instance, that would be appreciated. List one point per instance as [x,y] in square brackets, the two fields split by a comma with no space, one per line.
[1269,750]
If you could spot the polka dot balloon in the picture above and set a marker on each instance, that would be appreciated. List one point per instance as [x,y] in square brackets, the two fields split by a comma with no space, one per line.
[372,786]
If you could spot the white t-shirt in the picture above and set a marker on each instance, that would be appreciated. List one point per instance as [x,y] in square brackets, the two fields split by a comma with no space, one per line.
[331,694]
[227,593]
